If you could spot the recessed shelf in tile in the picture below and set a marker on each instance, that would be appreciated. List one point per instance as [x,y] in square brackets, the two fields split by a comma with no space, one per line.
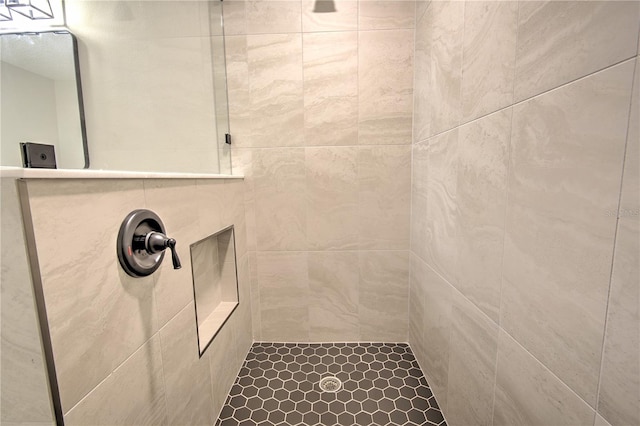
[215,284]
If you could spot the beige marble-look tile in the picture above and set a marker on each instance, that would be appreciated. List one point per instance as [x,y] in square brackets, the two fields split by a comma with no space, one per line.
[561,41]
[332,198]
[280,186]
[283,278]
[473,351]
[234,13]
[436,328]
[566,161]
[345,17]
[422,80]
[210,206]
[421,8]
[221,355]
[187,377]
[24,386]
[385,84]
[269,16]
[489,54]
[417,311]
[276,93]
[98,315]
[600,421]
[481,197]
[383,290]
[333,296]
[169,199]
[331,88]
[384,185]
[255,296]
[233,213]
[529,394]
[444,38]
[419,194]
[619,396]
[442,214]
[134,394]
[243,164]
[386,15]
[242,318]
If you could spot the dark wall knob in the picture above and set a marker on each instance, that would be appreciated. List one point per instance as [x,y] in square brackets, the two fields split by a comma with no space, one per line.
[141,244]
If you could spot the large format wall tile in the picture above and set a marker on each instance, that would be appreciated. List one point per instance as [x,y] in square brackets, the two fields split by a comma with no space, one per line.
[489,56]
[442,211]
[331,88]
[436,328]
[222,355]
[283,278]
[173,289]
[276,94]
[600,421]
[383,292]
[385,86]
[332,198]
[619,398]
[134,394]
[384,185]
[333,296]
[419,196]
[187,377]
[529,394]
[444,39]
[417,311]
[242,319]
[472,365]
[280,198]
[269,16]
[566,163]
[24,385]
[95,327]
[386,15]
[561,41]
[481,197]
[345,17]
[422,101]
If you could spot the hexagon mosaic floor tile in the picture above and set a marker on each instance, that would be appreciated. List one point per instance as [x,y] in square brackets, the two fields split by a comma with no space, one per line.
[377,384]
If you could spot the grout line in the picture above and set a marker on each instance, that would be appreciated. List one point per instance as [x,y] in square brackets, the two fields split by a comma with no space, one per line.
[631,58]
[615,237]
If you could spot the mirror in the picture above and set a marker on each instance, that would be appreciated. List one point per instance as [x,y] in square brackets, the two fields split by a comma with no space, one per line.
[215,283]
[41,97]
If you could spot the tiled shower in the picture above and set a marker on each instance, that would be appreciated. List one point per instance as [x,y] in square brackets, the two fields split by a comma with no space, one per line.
[461,176]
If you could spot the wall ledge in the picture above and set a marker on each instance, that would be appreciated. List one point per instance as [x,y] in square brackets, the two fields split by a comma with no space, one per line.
[24,173]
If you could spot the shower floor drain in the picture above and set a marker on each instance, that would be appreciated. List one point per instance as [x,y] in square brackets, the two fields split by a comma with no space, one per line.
[330,384]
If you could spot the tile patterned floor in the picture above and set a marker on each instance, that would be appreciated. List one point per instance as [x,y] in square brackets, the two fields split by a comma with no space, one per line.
[382,384]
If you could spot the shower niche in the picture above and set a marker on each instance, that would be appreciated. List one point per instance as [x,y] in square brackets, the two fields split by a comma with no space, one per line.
[215,283]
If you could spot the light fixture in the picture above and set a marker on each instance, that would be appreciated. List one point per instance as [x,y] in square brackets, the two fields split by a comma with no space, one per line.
[324,6]
[32,9]
[5,13]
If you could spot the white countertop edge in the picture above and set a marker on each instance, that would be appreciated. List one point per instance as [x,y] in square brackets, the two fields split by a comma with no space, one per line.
[25,173]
